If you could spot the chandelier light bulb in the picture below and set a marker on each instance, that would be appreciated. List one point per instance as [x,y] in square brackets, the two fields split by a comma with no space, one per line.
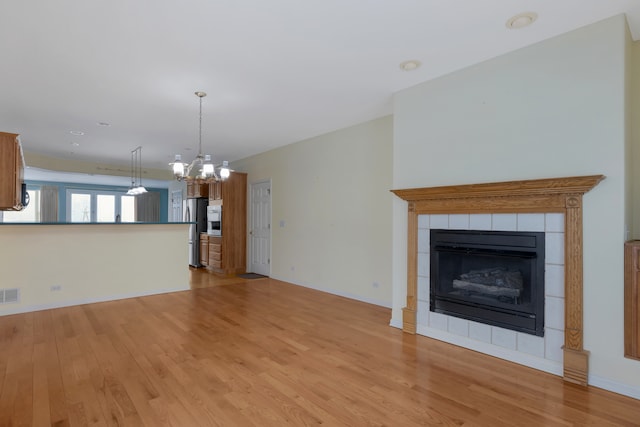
[224,170]
[207,167]
[178,167]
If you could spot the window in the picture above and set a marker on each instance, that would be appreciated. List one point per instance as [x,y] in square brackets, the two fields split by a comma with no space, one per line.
[80,207]
[128,208]
[29,214]
[99,206]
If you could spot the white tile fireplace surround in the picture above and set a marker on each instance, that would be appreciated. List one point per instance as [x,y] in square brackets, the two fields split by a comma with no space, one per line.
[543,353]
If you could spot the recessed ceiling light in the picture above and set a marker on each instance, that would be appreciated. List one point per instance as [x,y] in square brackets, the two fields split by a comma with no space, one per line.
[75,144]
[76,132]
[410,65]
[103,124]
[521,20]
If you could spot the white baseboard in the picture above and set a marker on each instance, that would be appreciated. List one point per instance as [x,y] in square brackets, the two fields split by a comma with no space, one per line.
[614,386]
[396,323]
[60,304]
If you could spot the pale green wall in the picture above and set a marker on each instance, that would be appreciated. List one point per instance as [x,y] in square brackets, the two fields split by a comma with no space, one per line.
[553,109]
[332,195]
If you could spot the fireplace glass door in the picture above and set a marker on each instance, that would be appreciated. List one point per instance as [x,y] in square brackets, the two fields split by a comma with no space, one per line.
[495,278]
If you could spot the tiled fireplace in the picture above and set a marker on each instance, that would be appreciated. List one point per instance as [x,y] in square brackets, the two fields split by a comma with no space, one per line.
[552,206]
[544,353]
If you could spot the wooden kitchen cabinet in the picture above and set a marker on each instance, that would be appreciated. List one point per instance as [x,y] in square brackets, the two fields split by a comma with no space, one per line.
[229,189]
[11,172]
[215,253]
[228,252]
[632,299]
[197,188]
[215,190]
[204,249]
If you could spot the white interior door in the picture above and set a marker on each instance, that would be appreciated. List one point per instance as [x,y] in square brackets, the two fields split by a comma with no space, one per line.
[176,206]
[260,230]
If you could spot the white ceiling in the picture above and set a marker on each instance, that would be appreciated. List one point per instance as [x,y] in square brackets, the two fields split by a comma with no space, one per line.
[276,71]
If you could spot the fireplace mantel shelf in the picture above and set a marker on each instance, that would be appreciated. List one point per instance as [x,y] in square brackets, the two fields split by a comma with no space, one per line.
[550,186]
[562,195]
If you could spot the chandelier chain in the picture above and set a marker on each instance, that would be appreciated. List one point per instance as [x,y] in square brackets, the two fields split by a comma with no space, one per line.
[200,140]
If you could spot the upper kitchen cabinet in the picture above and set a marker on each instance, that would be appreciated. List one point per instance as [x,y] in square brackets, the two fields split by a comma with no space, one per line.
[215,191]
[197,188]
[230,190]
[12,194]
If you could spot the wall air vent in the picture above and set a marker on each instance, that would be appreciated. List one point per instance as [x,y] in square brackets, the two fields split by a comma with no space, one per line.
[9,295]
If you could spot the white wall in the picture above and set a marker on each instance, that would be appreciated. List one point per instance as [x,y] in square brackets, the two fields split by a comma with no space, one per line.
[331,195]
[553,109]
[90,262]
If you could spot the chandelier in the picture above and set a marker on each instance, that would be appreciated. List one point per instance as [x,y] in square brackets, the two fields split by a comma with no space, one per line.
[202,163]
[136,173]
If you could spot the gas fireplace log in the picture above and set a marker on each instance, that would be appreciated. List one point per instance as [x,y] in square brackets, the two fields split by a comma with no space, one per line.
[499,291]
[498,276]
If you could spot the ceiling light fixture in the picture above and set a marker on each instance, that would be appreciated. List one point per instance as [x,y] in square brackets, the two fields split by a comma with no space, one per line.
[521,20]
[205,166]
[76,132]
[136,173]
[410,65]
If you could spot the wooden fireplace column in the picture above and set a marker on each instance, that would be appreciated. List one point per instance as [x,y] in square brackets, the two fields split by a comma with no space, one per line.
[560,195]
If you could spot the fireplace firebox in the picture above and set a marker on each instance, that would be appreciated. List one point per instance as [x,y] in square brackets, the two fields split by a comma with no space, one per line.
[491,277]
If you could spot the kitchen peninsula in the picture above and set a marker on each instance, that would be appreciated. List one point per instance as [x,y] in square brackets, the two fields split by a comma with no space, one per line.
[62,264]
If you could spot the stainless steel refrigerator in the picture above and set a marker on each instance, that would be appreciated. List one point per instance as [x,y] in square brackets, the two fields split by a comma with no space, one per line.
[195,210]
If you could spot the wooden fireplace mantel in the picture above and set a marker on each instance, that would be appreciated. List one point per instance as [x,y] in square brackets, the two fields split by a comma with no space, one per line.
[562,195]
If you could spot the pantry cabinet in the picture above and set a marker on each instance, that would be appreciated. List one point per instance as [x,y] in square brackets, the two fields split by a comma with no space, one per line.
[227,253]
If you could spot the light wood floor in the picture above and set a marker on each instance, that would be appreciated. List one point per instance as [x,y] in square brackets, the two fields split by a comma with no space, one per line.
[235,352]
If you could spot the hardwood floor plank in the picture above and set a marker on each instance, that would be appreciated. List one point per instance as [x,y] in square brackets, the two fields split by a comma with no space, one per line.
[48,359]
[7,396]
[304,397]
[41,405]
[237,352]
